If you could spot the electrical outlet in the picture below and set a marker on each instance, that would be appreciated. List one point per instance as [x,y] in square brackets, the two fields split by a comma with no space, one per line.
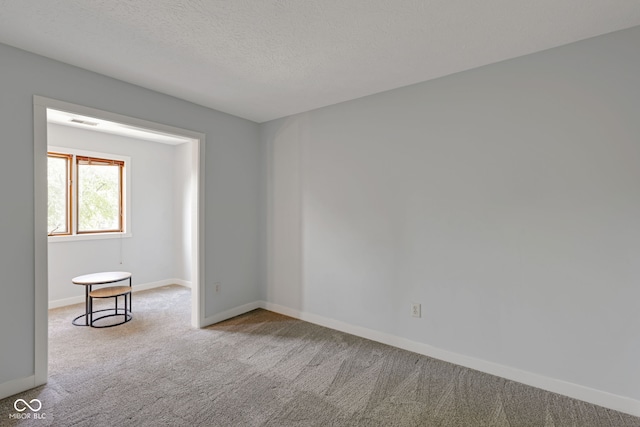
[415,310]
[217,287]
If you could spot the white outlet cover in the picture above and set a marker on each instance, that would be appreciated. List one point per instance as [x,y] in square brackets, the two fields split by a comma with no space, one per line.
[415,310]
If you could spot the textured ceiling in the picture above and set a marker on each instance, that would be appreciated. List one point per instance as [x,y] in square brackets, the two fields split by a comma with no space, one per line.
[265,59]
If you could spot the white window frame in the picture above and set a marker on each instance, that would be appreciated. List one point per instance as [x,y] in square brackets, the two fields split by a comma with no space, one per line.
[126,197]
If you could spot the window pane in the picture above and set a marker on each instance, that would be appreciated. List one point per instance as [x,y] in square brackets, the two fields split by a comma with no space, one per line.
[57,203]
[98,197]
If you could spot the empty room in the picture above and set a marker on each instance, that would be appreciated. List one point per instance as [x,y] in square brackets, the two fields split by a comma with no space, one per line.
[409,213]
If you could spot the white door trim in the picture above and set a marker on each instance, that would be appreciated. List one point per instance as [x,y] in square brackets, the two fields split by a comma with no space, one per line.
[40,106]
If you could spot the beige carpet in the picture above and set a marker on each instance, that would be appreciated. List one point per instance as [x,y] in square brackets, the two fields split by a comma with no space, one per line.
[264,369]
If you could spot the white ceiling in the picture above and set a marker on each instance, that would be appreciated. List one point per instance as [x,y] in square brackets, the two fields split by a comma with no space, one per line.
[265,59]
[101,125]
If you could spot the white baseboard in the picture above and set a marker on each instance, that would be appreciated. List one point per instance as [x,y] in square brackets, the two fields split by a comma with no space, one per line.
[233,312]
[12,387]
[136,288]
[159,284]
[181,282]
[576,391]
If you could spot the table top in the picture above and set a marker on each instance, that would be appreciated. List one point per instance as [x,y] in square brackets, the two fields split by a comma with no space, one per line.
[101,278]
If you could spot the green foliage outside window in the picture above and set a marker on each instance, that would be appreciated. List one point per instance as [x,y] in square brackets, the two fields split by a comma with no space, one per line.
[57,185]
[98,197]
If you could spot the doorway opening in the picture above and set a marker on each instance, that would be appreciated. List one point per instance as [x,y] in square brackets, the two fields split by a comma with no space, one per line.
[50,115]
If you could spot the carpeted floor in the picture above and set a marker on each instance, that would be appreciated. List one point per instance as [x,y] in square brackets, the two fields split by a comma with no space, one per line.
[265,369]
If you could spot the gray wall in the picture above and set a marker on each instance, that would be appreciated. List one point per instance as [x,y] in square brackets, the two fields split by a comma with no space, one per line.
[503,199]
[232,192]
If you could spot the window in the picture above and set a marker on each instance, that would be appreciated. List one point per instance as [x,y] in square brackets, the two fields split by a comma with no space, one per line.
[59,190]
[99,191]
[86,194]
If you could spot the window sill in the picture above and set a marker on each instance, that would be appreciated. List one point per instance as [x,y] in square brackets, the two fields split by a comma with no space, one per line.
[97,236]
